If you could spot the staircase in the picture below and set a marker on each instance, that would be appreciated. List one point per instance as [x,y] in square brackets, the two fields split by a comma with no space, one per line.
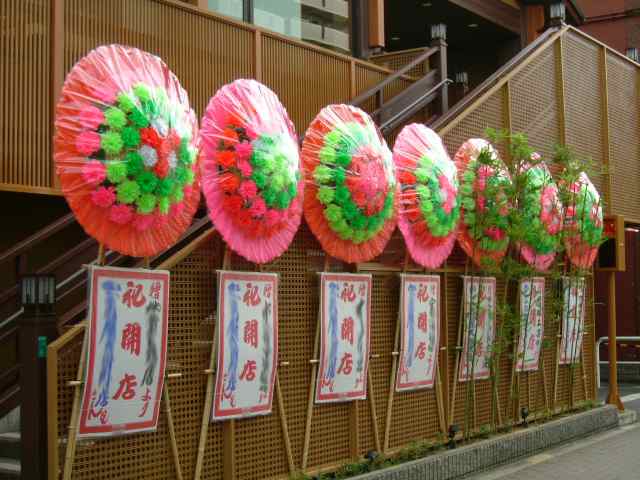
[9,455]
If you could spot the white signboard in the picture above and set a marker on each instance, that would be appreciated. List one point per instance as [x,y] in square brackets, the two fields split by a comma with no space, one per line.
[574,300]
[127,346]
[531,323]
[419,331]
[479,315]
[247,342]
[345,306]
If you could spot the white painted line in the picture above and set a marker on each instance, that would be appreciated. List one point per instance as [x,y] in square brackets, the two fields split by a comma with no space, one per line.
[631,398]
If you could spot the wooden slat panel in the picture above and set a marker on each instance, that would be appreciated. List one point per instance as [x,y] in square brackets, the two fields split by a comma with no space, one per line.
[624,121]
[24,83]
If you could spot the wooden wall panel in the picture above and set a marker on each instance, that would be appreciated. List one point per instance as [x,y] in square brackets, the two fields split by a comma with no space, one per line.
[583,103]
[624,125]
[308,81]
[24,94]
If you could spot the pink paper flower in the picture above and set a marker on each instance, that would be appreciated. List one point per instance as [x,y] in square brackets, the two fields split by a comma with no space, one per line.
[121,214]
[94,172]
[251,133]
[176,209]
[272,218]
[103,196]
[143,222]
[481,203]
[88,142]
[245,168]
[494,233]
[243,151]
[258,207]
[90,117]
[535,156]
[248,189]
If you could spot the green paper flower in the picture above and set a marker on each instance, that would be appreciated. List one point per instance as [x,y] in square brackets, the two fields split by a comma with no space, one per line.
[111,143]
[126,102]
[138,118]
[116,171]
[325,195]
[130,137]
[135,164]
[146,203]
[142,92]
[128,191]
[147,182]
[115,118]
[163,205]
[165,187]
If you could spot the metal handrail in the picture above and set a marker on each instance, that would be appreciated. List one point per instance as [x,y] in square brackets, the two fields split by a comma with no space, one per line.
[602,340]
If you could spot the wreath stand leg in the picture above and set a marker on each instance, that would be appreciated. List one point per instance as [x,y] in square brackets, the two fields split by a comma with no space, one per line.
[172,431]
[72,438]
[372,405]
[392,383]
[314,370]
[459,354]
[208,398]
[439,400]
[283,424]
[556,372]
[544,382]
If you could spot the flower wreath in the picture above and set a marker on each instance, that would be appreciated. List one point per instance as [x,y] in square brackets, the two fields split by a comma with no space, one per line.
[125,150]
[430,207]
[542,216]
[484,203]
[251,170]
[583,222]
[351,202]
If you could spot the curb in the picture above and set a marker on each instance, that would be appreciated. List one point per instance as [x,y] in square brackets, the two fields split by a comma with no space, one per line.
[506,448]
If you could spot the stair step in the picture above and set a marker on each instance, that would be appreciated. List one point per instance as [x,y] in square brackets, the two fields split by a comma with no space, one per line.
[10,445]
[9,468]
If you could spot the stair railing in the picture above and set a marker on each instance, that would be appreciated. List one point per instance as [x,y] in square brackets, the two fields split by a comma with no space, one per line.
[391,113]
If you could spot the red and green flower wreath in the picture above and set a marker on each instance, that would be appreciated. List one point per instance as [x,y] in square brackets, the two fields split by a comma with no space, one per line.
[355,183]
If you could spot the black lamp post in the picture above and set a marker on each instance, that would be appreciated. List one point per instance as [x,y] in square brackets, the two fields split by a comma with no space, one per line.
[37,329]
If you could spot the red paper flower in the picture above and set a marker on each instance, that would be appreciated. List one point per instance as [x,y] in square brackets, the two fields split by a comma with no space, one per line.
[229,136]
[150,137]
[162,168]
[233,203]
[229,182]
[226,158]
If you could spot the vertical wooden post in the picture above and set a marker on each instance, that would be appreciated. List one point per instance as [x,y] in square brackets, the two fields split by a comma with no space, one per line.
[444,350]
[72,438]
[372,405]
[392,384]
[441,43]
[606,135]
[56,78]
[283,425]
[613,398]
[354,447]
[229,450]
[172,431]
[562,117]
[257,52]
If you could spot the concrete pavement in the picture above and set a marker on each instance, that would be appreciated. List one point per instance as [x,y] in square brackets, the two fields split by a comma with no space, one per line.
[613,455]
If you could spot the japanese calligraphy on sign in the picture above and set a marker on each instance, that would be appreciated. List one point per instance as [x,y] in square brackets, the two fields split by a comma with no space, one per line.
[247,342]
[531,323]
[419,331]
[127,346]
[345,306]
[574,296]
[479,316]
